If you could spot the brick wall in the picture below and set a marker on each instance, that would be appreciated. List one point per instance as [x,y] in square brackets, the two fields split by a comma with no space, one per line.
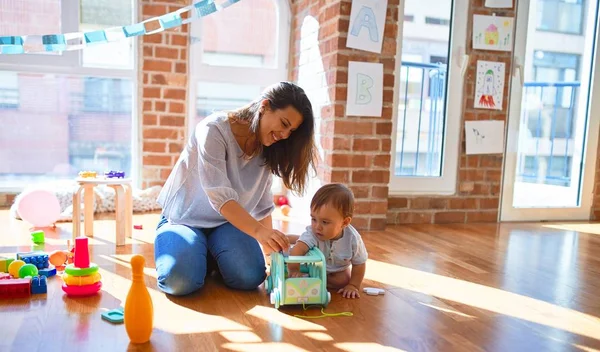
[163,66]
[356,149]
[479,177]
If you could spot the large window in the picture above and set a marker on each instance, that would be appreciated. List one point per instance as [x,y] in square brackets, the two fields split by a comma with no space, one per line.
[563,16]
[235,54]
[63,112]
[429,98]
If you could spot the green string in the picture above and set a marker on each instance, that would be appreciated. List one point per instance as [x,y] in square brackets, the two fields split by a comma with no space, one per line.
[323,314]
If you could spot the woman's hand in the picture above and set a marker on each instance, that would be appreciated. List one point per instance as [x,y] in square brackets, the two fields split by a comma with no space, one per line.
[272,240]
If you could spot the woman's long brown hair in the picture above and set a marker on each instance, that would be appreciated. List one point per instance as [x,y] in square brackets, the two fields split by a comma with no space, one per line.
[290,158]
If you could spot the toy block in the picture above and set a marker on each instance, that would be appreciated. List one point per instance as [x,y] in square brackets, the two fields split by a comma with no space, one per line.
[15,288]
[4,263]
[39,259]
[47,272]
[39,284]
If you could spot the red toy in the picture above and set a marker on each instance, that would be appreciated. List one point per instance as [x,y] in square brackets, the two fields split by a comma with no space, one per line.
[282,200]
[15,288]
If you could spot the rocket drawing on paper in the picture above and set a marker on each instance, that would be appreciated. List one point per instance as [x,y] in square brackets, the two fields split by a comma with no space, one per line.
[488,90]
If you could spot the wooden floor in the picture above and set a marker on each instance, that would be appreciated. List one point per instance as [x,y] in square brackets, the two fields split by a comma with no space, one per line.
[448,288]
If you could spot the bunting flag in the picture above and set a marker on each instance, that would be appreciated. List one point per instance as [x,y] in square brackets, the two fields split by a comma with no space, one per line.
[79,40]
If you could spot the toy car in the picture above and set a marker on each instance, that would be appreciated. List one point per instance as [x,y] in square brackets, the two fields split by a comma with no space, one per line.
[298,290]
[88,174]
[115,174]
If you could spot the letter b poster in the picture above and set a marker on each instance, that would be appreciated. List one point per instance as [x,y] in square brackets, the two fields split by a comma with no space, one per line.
[365,89]
[367,22]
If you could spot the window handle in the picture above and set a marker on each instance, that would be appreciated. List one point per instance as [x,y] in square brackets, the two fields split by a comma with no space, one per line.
[518,69]
[463,60]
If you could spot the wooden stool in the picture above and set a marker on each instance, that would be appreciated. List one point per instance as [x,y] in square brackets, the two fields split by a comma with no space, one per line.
[123,206]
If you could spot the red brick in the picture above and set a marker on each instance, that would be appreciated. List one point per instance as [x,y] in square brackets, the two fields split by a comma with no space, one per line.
[340,176]
[175,148]
[150,119]
[360,223]
[179,39]
[176,121]
[150,92]
[159,133]
[449,217]
[156,38]
[493,175]
[348,160]
[482,216]
[154,10]
[353,127]
[371,176]
[379,192]
[382,161]
[463,203]
[166,52]
[365,145]
[384,128]
[342,143]
[160,160]
[377,224]
[160,106]
[397,203]
[360,191]
[386,144]
[176,107]
[181,67]
[489,203]
[154,147]
[179,94]
[157,65]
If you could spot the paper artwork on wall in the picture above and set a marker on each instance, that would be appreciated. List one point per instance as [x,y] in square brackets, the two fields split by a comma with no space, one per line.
[492,32]
[489,86]
[499,4]
[367,22]
[484,137]
[365,89]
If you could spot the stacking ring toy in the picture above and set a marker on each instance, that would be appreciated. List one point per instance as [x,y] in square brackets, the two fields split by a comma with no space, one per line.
[80,291]
[75,271]
[71,280]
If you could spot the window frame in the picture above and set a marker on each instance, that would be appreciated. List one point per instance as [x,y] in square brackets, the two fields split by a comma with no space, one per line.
[200,71]
[71,63]
[446,184]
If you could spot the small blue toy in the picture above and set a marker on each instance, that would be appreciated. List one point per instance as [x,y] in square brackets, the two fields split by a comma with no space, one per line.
[39,259]
[298,290]
[47,272]
[39,284]
[114,174]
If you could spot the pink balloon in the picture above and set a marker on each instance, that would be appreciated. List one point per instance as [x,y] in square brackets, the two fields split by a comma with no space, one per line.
[39,207]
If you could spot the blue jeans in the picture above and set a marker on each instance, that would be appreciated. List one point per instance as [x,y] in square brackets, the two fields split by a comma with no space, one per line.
[182,255]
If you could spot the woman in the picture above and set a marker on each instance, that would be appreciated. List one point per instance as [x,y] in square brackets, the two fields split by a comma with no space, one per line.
[217,200]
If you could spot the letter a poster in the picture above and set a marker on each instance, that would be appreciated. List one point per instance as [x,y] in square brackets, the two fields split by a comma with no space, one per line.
[365,89]
[367,22]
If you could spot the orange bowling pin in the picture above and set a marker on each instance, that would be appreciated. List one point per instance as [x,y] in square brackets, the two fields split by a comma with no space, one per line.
[139,311]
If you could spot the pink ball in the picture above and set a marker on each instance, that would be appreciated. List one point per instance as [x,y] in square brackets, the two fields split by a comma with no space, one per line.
[39,207]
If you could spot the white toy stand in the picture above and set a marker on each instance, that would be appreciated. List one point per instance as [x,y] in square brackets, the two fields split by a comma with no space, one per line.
[123,206]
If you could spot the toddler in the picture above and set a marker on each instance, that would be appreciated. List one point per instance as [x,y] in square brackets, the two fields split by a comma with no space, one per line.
[331,232]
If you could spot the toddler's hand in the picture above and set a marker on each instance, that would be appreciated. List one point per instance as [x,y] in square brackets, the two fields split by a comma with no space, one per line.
[350,291]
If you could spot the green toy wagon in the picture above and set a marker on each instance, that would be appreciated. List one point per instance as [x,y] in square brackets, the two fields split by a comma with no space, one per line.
[298,290]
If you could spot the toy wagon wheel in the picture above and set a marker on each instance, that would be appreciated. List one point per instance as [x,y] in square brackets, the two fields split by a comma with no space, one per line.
[269,284]
[275,298]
